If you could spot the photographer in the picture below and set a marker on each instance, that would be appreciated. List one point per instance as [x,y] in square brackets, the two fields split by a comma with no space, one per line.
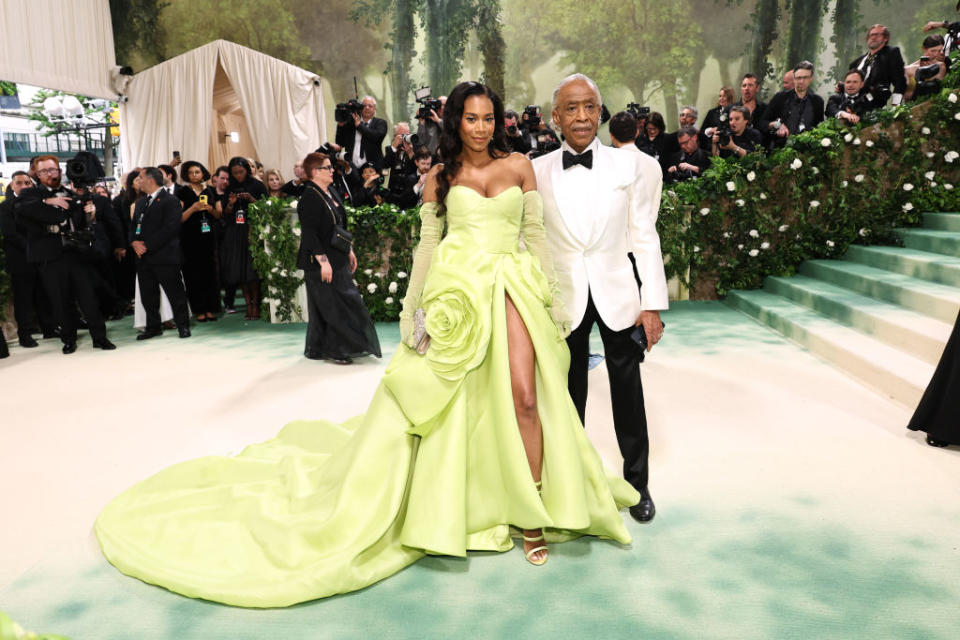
[793,111]
[850,104]
[651,140]
[515,138]
[540,137]
[737,138]
[398,157]
[430,119]
[953,33]
[716,117]
[60,243]
[360,133]
[370,193]
[687,118]
[881,66]
[690,161]
[925,75]
[412,190]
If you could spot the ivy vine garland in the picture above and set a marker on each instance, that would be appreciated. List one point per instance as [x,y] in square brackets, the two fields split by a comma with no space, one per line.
[275,241]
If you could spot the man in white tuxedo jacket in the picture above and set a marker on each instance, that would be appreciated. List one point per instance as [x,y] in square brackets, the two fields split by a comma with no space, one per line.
[600,204]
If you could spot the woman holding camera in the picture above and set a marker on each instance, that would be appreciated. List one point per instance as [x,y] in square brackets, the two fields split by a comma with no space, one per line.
[236,261]
[198,241]
[339,327]
[653,141]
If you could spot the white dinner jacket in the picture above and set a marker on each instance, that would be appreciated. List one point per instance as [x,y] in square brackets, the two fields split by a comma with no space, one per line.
[593,218]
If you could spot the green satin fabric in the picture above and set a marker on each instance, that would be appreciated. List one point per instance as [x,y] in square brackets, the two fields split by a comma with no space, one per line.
[436,465]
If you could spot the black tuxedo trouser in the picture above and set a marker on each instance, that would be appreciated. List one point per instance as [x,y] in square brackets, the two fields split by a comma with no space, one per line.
[68,279]
[626,390]
[29,297]
[154,276]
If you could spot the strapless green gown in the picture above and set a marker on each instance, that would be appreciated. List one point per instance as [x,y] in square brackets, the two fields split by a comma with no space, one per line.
[435,466]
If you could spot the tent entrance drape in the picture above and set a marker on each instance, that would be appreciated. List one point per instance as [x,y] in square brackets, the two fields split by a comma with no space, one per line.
[228,117]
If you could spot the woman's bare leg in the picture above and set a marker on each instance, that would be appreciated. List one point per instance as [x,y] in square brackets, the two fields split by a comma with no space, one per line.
[524,386]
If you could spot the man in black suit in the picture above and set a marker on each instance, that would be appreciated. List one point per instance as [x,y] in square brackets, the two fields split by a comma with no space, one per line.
[52,213]
[749,87]
[28,295]
[362,138]
[688,163]
[793,111]
[851,103]
[155,238]
[881,66]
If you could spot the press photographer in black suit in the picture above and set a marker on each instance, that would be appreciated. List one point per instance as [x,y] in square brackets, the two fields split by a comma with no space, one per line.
[737,138]
[28,294]
[688,163]
[793,111]
[362,136]
[59,241]
[881,66]
[852,102]
[155,238]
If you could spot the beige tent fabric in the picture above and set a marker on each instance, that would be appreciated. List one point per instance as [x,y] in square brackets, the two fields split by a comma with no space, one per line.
[188,102]
[58,44]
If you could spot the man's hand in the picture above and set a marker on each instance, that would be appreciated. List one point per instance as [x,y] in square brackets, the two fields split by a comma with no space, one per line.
[91,210]
[120,254]
[174,162]
[435,117]
[686,166]
[357,119]
[930,26]
[852,118]
[353,262]
[652,325]
[139,247]
[61,202]
[783,132]
[672,169]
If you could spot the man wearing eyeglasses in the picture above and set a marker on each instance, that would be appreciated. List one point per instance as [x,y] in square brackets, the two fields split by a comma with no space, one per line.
[52,216]
[881,66]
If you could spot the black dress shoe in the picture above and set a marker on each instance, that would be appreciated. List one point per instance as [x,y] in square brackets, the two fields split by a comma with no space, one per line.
[69,347]
[104,344]
[29,342]
[341,360]
[644,510]
[312,355]
[933,442]
[52,333]
[146,335]
[184,332]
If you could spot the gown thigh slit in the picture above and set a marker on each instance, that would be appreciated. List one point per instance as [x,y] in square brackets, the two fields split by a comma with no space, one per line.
[435,466]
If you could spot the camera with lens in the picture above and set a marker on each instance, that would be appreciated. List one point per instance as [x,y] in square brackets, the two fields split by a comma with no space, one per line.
[428,105]
[546,142]
[84,170]
[345,110]
[927,84]
[724,132]
[512,130]
[638,112]
[411,139]
[532,112]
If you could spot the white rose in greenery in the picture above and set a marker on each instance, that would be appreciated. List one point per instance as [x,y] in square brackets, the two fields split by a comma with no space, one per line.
[783,228]
[844,183]
[826,142]
[856,141]
[401,275]
[294,203]
[925,131]
[372,287]
[814,204]
[952,97]
[763,196]
[726,234]
[754,233]
[907,207]
[796,164]
[388,301]
[864,232]
[266,229]
[296,231]
[740,202]
[815,170]
[948,186]
[754,253]
[283,273]
[907,186]
[696,249]
[378,274]
[368,272]
[764,245]
[740,247]
[956,116]
[392,288]
[751,176]
[933,184]
[731,186]
[275,270]
[830,244]
[951,156]
[930,175]
[859,177]
[929,154]
[869,143]
[848,138]
[704,211]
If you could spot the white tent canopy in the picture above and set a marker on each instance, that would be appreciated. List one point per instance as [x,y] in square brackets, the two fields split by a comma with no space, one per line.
[58,45]
[192,102]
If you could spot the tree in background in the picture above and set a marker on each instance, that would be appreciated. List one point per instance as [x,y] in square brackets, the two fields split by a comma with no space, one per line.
[721,19]
[803,42]
[527,33]
[847,36]
[447,24]
[492,45]
[138,36]
[764,20]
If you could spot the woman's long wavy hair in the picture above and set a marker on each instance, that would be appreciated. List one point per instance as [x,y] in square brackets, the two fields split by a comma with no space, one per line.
[450,144]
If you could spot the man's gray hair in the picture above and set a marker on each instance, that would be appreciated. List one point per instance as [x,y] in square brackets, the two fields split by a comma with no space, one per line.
[573,78]
[397,126]
[696,114]
[371,98]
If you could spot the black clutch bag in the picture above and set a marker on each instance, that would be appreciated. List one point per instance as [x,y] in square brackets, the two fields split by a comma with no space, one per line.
[341,240]
[80,242]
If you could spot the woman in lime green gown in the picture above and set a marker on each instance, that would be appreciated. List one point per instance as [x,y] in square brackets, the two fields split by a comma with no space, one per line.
[461,445]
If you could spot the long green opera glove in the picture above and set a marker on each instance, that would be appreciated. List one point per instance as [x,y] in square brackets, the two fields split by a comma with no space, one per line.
[535,238]
[431,227]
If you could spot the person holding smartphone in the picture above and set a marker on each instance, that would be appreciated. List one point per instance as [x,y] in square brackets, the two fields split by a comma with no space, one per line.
[198,241]
[236,261]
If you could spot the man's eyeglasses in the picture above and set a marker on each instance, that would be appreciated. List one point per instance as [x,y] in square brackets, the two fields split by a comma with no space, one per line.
[48,171]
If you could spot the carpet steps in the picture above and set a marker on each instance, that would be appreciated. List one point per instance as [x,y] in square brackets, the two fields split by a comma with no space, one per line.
[883,314]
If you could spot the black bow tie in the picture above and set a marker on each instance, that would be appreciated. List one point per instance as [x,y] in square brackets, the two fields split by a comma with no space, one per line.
[585,159]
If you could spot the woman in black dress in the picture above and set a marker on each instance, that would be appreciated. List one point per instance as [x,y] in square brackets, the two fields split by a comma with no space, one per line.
[339,327]
[236,261]
[939,410]
[653,142]
[197,241]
